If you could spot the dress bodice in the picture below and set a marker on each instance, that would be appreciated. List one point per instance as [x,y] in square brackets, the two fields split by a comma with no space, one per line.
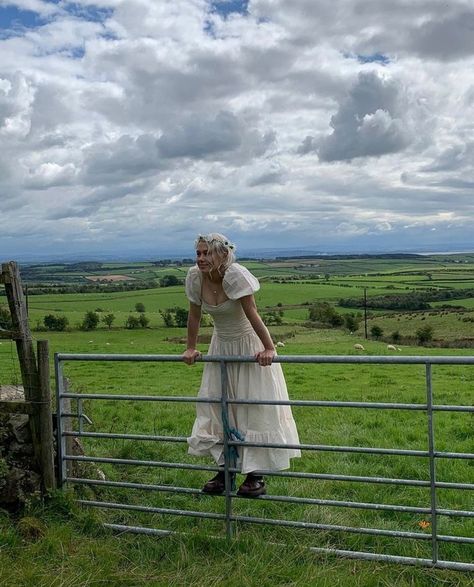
[230,321]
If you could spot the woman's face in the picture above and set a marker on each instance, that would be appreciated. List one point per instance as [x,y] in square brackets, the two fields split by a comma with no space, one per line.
[203,258]
[207,261]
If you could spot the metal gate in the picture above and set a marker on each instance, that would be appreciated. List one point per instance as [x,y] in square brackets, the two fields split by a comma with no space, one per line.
[432,510]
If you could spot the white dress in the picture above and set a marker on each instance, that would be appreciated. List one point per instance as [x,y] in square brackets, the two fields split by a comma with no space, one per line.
[233,335]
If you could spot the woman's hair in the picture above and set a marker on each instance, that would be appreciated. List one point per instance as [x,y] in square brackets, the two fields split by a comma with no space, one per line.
[221,250]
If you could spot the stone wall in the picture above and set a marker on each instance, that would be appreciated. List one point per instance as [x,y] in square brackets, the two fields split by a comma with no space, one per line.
[19,474]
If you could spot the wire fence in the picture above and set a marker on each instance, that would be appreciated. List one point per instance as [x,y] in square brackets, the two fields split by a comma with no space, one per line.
[433,484]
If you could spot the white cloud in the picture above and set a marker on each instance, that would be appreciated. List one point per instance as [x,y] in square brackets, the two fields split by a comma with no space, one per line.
[370,121]
[300,123]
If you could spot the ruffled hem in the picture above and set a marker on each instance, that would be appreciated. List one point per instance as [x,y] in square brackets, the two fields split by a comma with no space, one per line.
[250,458]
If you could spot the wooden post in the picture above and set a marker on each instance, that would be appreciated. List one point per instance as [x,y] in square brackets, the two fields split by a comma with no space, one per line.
[45,418]
[24,346]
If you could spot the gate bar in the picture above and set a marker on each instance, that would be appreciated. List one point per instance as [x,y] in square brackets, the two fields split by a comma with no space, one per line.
[279,498]
[352,554]
[295,474]
[310,359]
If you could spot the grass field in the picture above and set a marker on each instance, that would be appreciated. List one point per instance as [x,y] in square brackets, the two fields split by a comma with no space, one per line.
[322,426]
[62,545]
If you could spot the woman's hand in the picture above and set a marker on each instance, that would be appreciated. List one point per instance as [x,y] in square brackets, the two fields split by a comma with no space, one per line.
[265,357]
[190,356]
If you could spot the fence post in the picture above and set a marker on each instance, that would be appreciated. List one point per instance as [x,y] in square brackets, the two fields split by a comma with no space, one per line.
[45,418]
[24,346]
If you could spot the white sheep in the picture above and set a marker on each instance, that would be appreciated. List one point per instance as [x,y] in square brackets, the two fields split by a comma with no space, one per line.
[391,347]
[279,343]
[359,347]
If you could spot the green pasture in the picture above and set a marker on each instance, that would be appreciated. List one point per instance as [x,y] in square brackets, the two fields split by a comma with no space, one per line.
[71,548]
[447,326]
[466,302]
[354,427]
[122,304]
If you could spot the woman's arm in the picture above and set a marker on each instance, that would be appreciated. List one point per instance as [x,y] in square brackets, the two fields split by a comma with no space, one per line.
[265,357]
[194,319]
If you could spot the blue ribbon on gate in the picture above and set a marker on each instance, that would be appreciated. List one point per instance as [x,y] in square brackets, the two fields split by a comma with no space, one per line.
[234,435]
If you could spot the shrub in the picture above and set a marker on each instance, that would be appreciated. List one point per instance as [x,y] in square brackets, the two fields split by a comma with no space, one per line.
[140,307]
[272,318]
[90,321]
[396,336]
[132,322]
[181,317]
[143,320]
[169,280]
[57,323]
[168,317]
[326,314]
[376,331]
[175,317]
[351,322]
[424,334]
[108,319]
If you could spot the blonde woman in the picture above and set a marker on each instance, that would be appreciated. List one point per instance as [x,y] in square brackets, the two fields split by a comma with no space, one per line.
[225,289]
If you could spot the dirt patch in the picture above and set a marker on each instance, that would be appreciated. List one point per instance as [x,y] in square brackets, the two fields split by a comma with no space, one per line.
[109,278]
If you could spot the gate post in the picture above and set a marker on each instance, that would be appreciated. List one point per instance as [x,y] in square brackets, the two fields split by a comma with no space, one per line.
[45,418]
[24,345]
[61,439]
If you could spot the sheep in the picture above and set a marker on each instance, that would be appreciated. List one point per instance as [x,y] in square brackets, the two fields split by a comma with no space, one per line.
[279,343]
[359,347]
[391,347]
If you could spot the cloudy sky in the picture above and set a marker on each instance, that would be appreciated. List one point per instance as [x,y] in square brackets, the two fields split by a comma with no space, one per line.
[132,125]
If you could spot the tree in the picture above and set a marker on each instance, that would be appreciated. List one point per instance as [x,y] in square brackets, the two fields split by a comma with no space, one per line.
[57,323]
[140,307]
[143,320]
[108,319]
[376,331]
[424,334]
[326,314]
[90,321]
[132,322]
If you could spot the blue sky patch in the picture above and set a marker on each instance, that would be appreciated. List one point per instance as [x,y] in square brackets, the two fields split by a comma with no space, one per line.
[375,58]
[12,18]
[226,7]
[90,13]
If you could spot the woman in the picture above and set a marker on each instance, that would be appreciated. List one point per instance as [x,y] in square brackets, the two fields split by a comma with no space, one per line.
[224,289]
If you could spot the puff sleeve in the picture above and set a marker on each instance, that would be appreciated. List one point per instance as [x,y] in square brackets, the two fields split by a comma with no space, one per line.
[192,285]
[239,282]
